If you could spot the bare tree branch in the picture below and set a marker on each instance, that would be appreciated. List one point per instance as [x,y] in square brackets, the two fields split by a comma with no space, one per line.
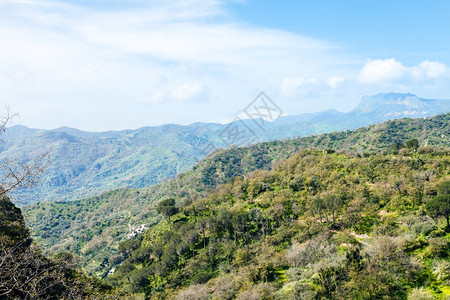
[6,119]
[18,173]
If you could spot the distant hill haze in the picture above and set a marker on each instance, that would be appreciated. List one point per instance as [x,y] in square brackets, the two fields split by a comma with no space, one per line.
[87,163]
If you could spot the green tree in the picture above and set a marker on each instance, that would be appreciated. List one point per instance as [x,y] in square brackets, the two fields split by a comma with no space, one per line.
[239,222]
[191,237]
[394,148]
[139,280]
[167,208]
[333,203]
[439,206]
[412,144]
[318,207]
[201,226]
[129,246]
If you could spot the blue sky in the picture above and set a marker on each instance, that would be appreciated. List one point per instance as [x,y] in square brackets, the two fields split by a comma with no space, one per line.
[412,30]
[110,65]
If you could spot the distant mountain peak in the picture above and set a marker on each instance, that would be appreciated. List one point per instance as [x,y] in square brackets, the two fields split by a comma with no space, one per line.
[398,104]
[389,98]
[18,130]
[393,95]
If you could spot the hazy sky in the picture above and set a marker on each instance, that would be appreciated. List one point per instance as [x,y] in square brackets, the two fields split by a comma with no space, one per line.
[109,65]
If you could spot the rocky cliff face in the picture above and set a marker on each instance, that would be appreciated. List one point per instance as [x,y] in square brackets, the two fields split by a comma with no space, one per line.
[394,105]
[383,107]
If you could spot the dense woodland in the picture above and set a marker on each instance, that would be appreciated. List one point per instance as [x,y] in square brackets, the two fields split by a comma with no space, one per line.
[318,226]
[353,215]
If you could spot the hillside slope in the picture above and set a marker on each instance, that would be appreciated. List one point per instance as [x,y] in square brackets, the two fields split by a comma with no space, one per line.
[85,164]
[94,227]
[26,274]
[317,226]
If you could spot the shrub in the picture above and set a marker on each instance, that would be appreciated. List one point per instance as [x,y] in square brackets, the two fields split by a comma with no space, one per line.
[388,226]
[201,277]
[420,294]
[438,247]
[124,269]
[115,259]
[225,287]
[242,256]
[194,292]
[441,269]
[262,291]
[424,227]
[300,255]
[304,290]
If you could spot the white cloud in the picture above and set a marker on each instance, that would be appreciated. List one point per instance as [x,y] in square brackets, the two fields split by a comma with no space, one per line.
[297,86]
[175,88]
[335,81]
[375,71]
[190,91]
[292,85]
[390,71]
[62,53]
[429,69]
[153,98]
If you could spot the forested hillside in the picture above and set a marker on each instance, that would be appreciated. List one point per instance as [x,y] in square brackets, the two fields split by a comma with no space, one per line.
[318,226]
[93,228]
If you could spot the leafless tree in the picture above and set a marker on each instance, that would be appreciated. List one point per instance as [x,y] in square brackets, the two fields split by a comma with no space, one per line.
[18,173]
[6,119]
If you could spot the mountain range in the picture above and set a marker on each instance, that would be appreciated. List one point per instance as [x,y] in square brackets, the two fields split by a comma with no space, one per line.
[84,164]
[92,228]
